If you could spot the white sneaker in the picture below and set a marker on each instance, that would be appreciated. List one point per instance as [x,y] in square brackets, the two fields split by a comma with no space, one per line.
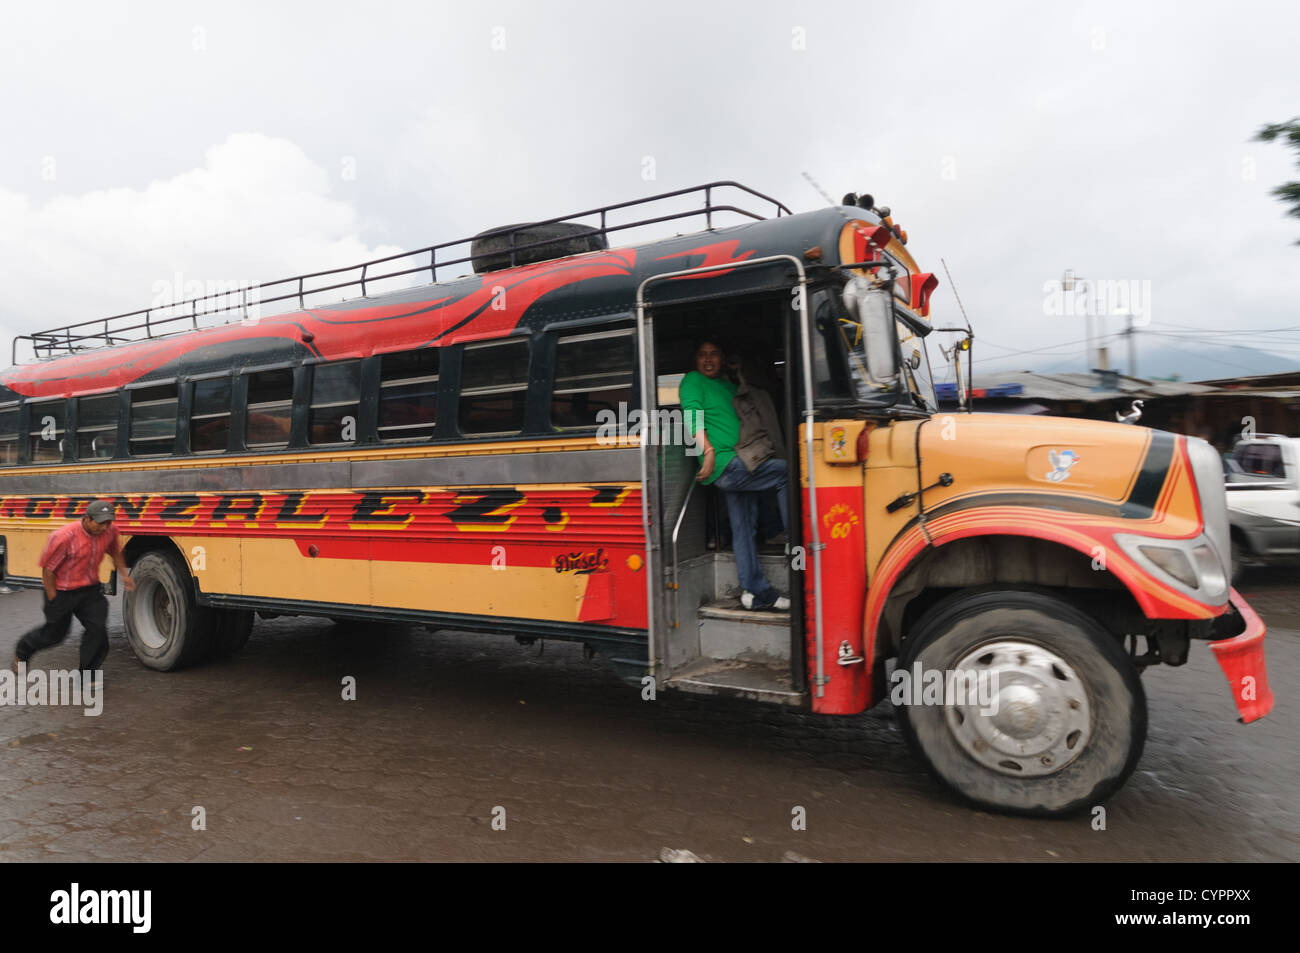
[779,602]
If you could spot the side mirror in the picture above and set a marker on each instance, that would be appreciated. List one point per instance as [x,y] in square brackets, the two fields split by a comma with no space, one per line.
[963,385]
[872,306]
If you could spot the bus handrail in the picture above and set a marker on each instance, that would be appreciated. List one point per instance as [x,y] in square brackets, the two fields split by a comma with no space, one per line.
[161,319]
[677,528]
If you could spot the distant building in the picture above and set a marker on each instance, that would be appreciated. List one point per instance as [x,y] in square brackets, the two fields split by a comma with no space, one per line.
[1218,411]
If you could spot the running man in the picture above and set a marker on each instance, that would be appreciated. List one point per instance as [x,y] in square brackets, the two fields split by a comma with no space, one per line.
[70,573]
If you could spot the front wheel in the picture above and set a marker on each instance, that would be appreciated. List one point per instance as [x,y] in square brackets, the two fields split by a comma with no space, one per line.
[1035,708]
[1238,555]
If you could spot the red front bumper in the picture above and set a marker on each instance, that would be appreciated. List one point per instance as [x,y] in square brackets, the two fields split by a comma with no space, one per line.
[1242,660]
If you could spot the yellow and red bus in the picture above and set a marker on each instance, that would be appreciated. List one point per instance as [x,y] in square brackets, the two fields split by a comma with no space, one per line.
[503,453]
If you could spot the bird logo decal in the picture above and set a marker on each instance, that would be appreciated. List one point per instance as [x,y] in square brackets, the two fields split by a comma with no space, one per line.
[1062,461]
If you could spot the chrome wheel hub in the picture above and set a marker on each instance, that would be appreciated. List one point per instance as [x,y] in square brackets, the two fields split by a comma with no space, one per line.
[153,614]
[1024,710]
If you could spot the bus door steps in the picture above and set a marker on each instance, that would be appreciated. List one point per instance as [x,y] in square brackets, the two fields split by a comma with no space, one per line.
[728,631]
[760,681]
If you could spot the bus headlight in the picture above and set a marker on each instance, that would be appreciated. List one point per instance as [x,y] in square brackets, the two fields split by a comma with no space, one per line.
[1192,566]
[1171,561]
[1208,567]
[1207,468]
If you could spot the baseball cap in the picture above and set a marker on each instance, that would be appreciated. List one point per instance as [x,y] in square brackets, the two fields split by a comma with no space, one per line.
[101,511]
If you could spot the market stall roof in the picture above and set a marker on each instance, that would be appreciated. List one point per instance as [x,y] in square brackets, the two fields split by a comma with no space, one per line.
[1030,385]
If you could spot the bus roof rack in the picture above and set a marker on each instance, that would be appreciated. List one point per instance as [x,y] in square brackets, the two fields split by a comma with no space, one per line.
[231,304]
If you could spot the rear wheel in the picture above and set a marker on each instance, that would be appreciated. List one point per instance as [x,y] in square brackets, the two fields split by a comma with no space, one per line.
[1058,716]
[231,632]
[166,628]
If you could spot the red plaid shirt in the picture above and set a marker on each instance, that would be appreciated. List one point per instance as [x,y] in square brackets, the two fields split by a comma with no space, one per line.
[73,555]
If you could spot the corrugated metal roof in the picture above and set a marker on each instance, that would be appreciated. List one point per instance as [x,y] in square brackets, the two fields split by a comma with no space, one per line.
[1258,380]
[1255,392]
[1087,387]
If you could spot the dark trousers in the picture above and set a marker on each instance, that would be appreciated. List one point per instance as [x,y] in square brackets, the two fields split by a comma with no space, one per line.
[90,607]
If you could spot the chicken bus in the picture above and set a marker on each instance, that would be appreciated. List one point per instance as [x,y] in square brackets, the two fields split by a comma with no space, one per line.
[503,452]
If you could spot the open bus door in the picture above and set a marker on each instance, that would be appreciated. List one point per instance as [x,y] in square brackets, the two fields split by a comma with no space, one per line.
[701,638]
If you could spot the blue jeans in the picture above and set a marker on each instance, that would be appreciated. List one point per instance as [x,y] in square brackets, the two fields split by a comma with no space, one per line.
[741,489]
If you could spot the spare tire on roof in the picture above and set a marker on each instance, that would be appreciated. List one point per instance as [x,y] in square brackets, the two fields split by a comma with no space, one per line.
[490,250]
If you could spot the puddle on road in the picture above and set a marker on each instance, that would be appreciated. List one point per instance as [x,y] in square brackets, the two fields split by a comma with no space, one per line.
[34,739]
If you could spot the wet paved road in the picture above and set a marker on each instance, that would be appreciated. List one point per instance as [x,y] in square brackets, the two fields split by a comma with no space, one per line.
[446,727]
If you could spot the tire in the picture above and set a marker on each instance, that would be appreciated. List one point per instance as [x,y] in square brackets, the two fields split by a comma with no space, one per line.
[490,250]
[1238,562]
[1071,714]
[166,628]
[231,632]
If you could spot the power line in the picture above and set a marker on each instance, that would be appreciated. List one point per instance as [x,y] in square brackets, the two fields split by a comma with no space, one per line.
[1219,343]
[1222,361]
[1050,347]
[1075,355]
[1221,335]
[1281,346]
[1192,327]
[1003,347]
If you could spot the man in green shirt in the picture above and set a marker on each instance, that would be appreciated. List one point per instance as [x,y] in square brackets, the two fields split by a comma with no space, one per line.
[706,396]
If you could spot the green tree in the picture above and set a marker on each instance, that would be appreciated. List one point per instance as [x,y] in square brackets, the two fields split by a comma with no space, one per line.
[1288,192]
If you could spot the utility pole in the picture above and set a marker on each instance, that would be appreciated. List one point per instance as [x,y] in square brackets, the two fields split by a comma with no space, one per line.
[1068,281]
[1131,334]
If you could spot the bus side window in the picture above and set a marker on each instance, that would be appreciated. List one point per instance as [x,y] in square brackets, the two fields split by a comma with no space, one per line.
[593,372]
[270,408]
[47,426]
[153,420]
[210,415]
[335,401]
[493,387]
[96,426]
[408,394]
[9,434]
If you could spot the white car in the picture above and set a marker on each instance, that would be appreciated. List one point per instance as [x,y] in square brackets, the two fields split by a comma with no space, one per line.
[1263,484]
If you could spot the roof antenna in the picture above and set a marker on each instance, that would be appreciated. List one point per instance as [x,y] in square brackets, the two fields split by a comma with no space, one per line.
[961,306]
[824,194]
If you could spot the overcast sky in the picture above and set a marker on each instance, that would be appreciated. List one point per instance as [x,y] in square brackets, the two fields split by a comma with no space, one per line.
[228,141]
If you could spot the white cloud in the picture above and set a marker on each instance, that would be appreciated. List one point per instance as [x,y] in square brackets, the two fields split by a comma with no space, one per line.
[258,208]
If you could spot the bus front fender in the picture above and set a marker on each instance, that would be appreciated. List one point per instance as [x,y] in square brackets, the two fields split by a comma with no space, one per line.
[1090,541]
